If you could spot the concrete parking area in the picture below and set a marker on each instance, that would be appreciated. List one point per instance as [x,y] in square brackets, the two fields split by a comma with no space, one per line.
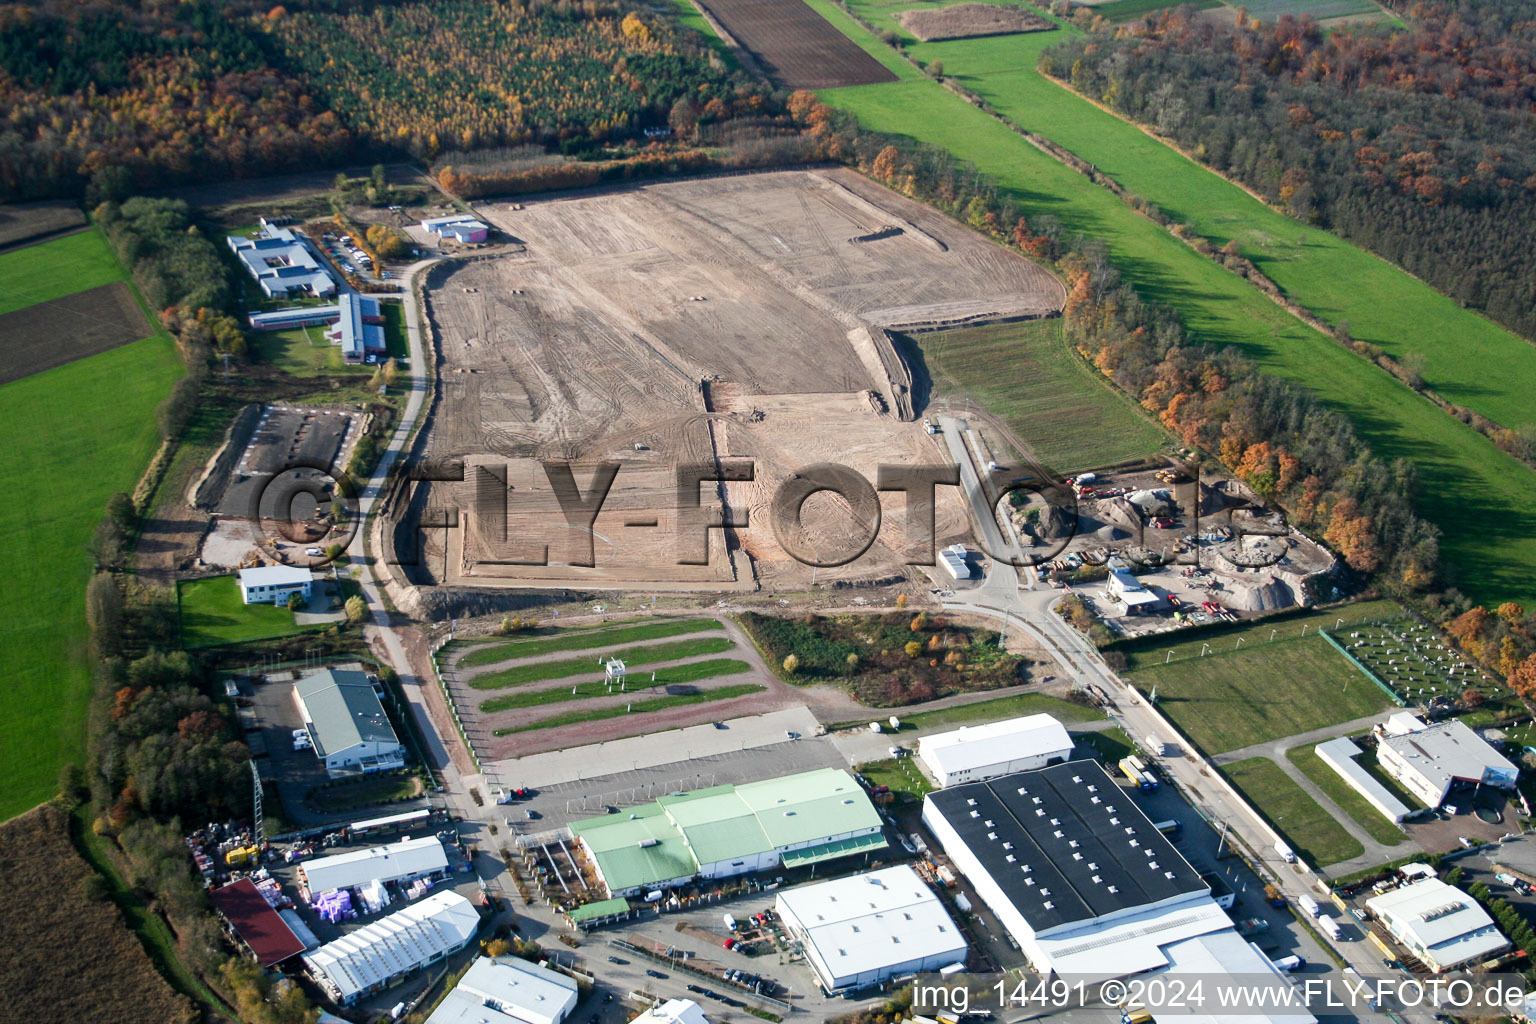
[287,436]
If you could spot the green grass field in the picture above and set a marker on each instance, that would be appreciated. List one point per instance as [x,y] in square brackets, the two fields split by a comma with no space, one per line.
[901,774]
[582,640]
[639,707]
[1024,374]
[1308,829]
[396,344]
[1145,652]
[303,352]
[631,656]
[73,436]
[1273,10]
[1265,691]
[995,711]
[1481,498]
[1340,792]
[53,269]
[692,672]
[213,613]
[1125,10]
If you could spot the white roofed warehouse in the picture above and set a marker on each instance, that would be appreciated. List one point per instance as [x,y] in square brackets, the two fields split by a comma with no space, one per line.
[1439,924]
[346,723]
[404,861]
[506,990]
[861,930]
[1430,760]
[378,955]
[979,752]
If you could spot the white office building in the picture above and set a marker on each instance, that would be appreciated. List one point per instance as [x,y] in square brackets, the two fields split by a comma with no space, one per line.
[860,930]
[347,726]
[506,990]
[273,584]
[1430,759]
[978,752]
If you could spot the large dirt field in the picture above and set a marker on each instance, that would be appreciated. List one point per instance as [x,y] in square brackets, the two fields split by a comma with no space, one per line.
[734,318]
[795,45]
[94,967]
[965,21]
[60,331]
[23,222]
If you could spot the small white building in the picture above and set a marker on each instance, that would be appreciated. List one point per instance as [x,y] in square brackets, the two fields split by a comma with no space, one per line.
[860,930]
[272,584]
[975,753]
[460,226]
[1339,754]
[347,726]
[953,560]
[404,861]
[1127,590]
[506,990]
[1431,759]
[378,955]
[673,1011]
[1439,924]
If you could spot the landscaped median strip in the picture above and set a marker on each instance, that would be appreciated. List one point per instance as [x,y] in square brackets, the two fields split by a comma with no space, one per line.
[691,672]
[631,656]
[580,640]
[639,707]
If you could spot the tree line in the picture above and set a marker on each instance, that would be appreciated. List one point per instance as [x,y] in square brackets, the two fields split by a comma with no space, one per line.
[1414,142]
[141,93]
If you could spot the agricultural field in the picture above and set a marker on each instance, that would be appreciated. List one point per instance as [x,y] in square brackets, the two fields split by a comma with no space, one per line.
[55,929]
[1341,793]
[1308,829]
[966,21]
[1483,500]
[21,221]
[1024,374]
[213,613]
[1274,10]
[490,652]
[100,433]
[795,46]
[56,268]
[885,661]
[59,331]
[1125,10]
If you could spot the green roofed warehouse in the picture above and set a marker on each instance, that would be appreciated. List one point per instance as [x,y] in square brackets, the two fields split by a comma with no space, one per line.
[731,830]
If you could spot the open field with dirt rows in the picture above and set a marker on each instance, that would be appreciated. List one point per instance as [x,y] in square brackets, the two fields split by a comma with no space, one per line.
[741,319]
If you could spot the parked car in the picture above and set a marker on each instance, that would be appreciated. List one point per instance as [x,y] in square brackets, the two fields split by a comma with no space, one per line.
[658,974]
[617,960]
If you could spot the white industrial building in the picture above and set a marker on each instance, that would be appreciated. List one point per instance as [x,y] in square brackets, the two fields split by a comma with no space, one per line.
[358,328]
[272,584]
[953,560]
[673,1011]
[860,930]
[1087,886]
[281,263]
[978,752]
[1439,924]
[459,226]
[347,726]
[380,954]
[1430,759]
[404,861]
[1125,589]
[506,990]
[1339,754]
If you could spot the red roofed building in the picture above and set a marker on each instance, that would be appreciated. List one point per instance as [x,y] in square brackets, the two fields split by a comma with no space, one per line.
[256,924]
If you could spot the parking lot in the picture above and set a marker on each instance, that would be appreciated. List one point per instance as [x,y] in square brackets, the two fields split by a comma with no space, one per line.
[287,436]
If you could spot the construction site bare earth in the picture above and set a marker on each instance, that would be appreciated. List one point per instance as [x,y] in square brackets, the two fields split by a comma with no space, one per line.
[687,322]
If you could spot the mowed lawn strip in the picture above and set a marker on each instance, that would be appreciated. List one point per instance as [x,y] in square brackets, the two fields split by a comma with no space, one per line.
[1265,691]
[1483,500]
[631,656]
[639,687]
[505,650]
[213,612]
[1343,794]
[53,269]
[1308,829]
[73,436]
[998,709]
[639,707]
[1024,374]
